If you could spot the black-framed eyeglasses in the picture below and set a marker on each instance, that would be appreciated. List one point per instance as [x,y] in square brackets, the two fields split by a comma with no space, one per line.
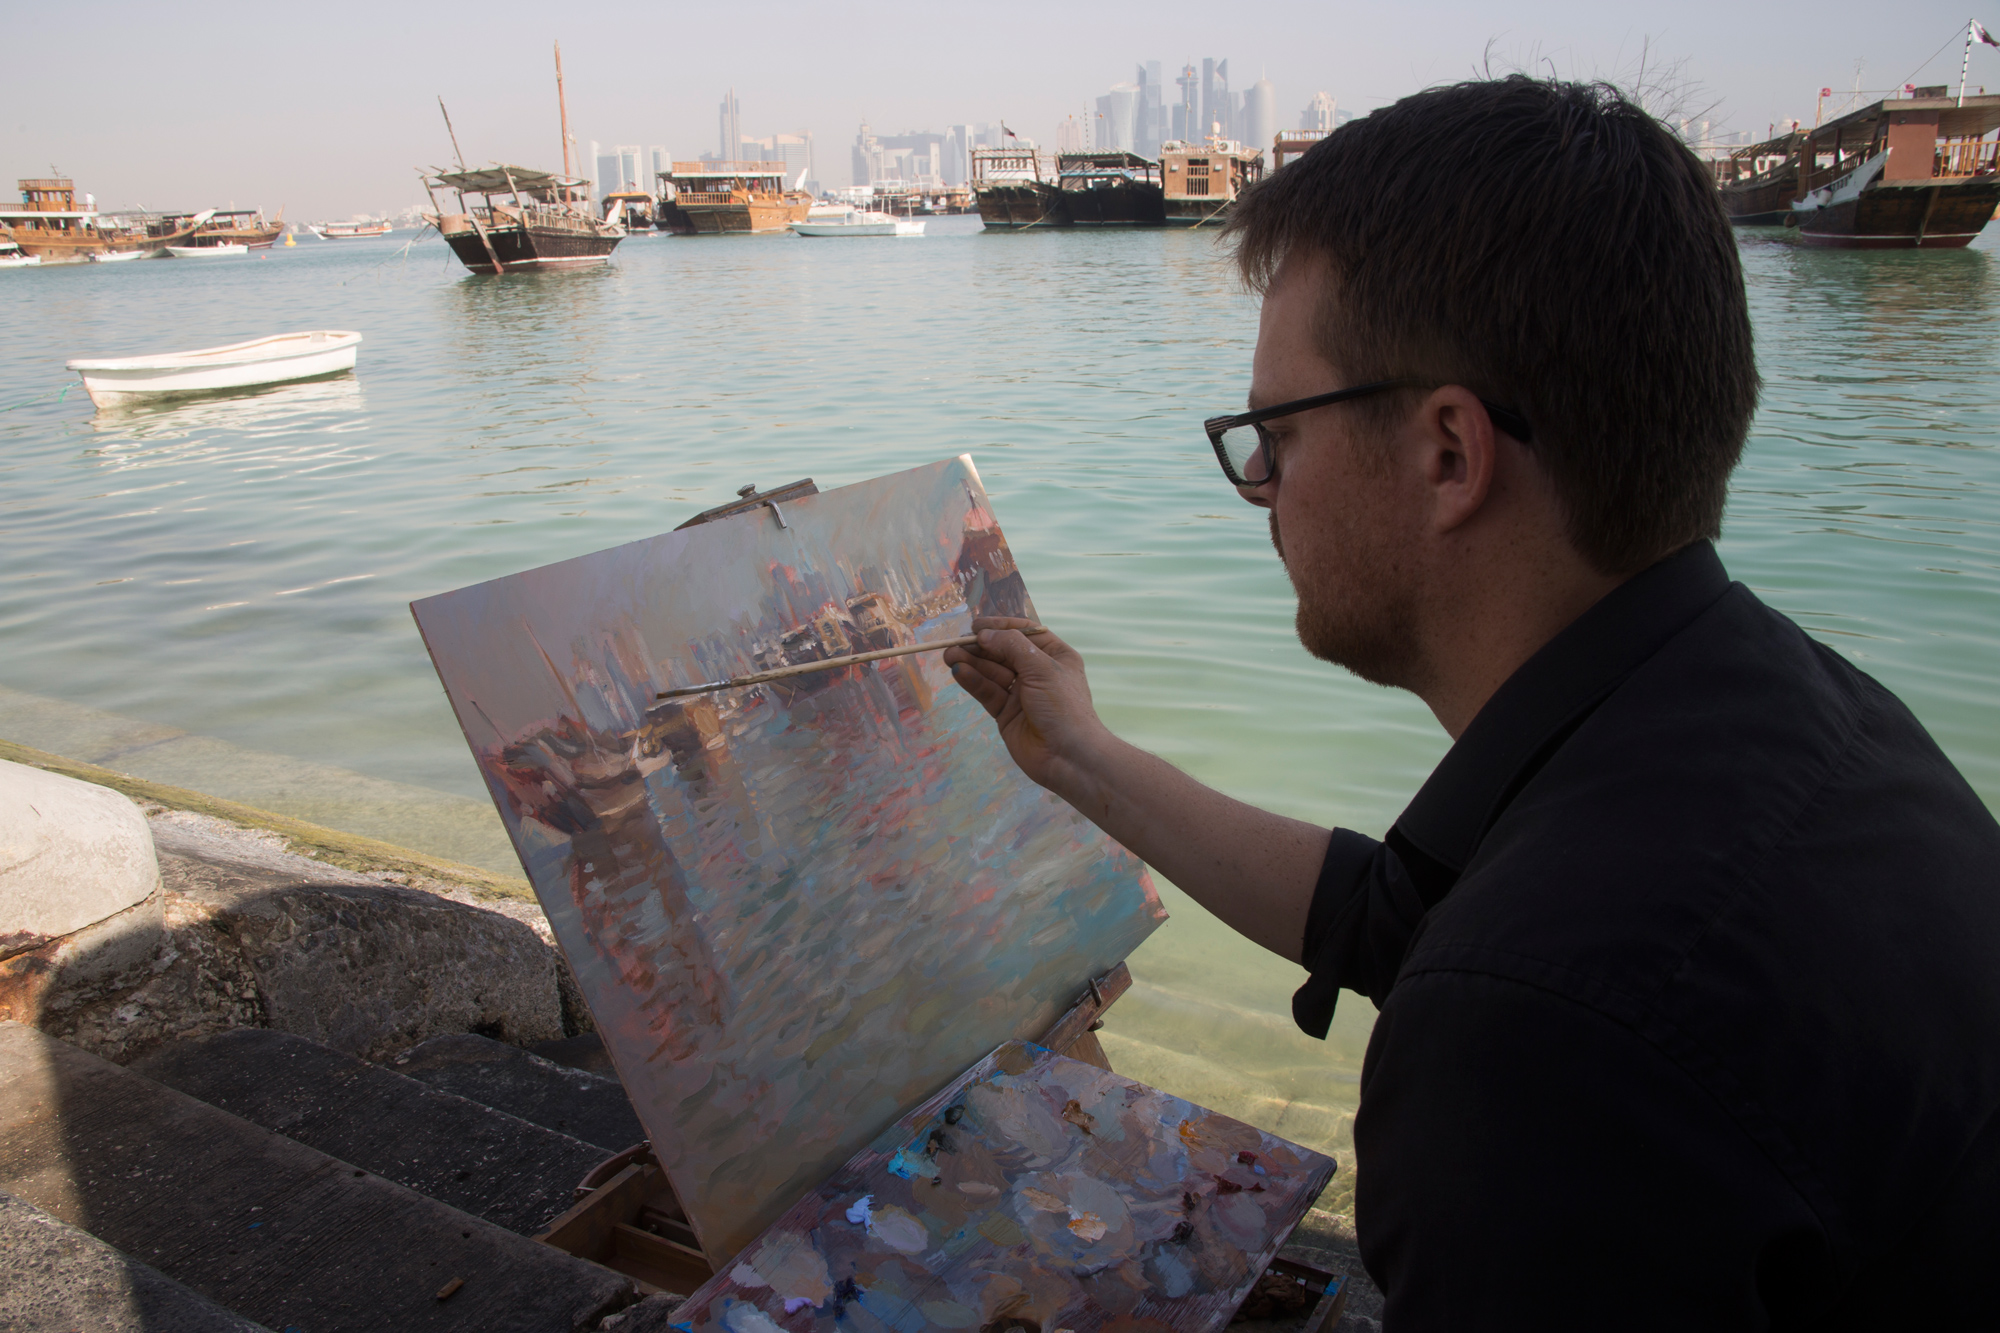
[1244,447]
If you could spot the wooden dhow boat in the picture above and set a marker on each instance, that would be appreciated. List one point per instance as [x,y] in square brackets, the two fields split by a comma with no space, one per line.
[350,231]
[49,226]
[715,198]
[279,359]
[1202,180]
[1902,173]
[1111,190]
[1759,183]
[1012,196]
[545,223]
[234,226]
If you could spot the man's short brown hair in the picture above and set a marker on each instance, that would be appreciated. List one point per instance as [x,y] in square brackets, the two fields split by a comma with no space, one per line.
[1551,247]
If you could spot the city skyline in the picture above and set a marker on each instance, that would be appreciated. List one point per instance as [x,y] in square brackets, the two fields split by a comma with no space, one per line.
[193,115]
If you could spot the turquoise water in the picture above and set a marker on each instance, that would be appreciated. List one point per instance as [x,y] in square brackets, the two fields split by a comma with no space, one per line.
[218,589]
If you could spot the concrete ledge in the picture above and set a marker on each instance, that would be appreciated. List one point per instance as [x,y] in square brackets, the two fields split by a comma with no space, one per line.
[58,1279]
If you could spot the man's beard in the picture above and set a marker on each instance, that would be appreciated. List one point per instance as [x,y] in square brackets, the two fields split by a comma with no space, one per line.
[1371,630]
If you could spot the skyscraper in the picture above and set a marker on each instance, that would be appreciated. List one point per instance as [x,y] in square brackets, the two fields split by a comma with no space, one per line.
[1149,118]
[732,127]
[1117,119]
[1319,113]
[1217,109]
[1260,115]
[1187,111]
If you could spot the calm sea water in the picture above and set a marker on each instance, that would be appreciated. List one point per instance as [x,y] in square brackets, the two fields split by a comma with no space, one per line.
[215,593]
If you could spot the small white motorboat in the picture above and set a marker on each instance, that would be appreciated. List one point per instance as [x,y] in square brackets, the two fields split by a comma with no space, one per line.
[221,251]
[117,256]
[857,222]
[11,256]
[275,360]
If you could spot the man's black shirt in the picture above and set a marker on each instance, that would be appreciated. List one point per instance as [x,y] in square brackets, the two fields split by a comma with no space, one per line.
[1688,962]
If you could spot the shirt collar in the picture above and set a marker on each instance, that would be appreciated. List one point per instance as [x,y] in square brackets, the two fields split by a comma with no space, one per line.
[1543,701]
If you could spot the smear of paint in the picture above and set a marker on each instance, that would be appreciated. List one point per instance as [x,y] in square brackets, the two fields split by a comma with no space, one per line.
[862,1210]
[743,1317]
[743,1275]
[1074,1113]
[1044,1201]
[1087,1226]
[909,1167]
[978,1189]
[794,1304]
[899,1231]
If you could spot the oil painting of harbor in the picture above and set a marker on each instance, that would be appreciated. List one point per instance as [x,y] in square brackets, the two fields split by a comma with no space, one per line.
[798,909]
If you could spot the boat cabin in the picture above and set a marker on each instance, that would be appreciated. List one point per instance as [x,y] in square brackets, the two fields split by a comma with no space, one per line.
[1203,179]
[534,198]
[48,209]
[1293,143]
[1928,136]
[1110,189]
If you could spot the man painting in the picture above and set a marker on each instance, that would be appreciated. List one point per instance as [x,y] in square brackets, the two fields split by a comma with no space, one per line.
[1688,953]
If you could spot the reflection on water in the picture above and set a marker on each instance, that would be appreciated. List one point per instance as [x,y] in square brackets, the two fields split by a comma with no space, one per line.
[259,564]
[266,410]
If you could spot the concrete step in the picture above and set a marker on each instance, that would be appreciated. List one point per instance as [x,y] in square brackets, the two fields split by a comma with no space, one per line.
[57,1279]
[586,1106]
[488,1163]
[267,1227]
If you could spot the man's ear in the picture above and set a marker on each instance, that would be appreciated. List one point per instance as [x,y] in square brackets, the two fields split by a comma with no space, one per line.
[1459,455]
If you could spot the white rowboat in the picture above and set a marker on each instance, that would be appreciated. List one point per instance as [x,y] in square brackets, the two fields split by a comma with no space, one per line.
[207,251]
[275,360]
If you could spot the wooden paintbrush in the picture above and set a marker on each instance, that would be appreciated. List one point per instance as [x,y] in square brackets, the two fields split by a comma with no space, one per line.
[832,664]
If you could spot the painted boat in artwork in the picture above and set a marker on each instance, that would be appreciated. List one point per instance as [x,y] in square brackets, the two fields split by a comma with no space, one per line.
[1903,173]
[279,359]
[1759,182]
[1012,196]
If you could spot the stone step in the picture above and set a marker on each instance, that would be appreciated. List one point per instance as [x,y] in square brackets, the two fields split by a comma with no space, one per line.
[586,1106]
[57,1279]
[486,1162]
[267,1227]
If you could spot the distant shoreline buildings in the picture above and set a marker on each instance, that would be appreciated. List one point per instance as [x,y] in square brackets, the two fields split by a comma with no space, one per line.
[1136,117]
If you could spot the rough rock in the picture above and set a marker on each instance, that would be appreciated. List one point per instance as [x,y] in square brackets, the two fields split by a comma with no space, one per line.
[80,899]
[260,937]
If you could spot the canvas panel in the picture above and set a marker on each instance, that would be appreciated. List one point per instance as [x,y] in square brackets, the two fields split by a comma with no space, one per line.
[797,910]
[1038,1193]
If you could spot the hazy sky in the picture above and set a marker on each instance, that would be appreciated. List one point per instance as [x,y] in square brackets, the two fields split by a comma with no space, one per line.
[327,108]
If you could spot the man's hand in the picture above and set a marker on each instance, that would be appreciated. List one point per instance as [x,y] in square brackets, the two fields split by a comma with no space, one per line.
[1034,687]
[1254,869]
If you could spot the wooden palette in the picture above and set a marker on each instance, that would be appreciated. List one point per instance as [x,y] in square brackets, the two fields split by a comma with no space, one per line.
[1035,1193]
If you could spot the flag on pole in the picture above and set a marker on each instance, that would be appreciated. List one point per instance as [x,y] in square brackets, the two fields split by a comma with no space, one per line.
[1979,34]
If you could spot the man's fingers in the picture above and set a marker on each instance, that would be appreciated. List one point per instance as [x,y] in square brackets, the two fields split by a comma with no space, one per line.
[987,693]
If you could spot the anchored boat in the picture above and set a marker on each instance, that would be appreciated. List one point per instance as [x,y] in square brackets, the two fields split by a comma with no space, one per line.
[1901,173]
[847,221]
[279,359]
[1758,183]
[1111,190]
[351,231]
[1202,180]
[50,226]
[716,197]
[546,222]
[1012,196]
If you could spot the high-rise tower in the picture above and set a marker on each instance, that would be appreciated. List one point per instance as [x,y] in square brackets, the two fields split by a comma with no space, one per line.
[732,127]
